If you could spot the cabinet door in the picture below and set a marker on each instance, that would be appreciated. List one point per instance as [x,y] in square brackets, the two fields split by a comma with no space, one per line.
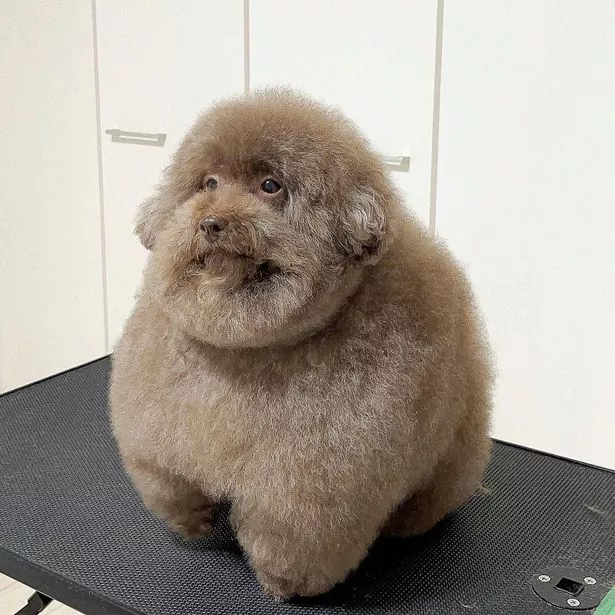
[376,61]
[51,291]
[160,64]
[526,198]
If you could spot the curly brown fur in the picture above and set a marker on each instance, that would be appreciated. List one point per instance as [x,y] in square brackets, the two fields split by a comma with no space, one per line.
[319,361]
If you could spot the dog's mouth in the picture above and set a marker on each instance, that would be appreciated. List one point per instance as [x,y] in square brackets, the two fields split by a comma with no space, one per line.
[245,270]
[265,273]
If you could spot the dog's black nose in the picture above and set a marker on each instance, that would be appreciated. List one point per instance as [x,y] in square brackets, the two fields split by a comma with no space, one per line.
[212,225]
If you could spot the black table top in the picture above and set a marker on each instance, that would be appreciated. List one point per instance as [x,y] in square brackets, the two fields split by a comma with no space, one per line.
[72,527]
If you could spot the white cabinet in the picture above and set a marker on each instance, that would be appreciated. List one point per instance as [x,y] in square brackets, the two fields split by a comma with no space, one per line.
[526,198]
[160,64]
[51,290]
[376,61]
[525,190]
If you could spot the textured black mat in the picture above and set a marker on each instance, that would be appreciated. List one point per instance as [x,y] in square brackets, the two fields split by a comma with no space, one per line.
[71,526]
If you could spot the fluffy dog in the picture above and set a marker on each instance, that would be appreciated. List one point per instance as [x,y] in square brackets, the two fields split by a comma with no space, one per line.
[300,346]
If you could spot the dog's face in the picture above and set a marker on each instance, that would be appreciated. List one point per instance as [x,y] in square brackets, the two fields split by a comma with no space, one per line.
[264,220]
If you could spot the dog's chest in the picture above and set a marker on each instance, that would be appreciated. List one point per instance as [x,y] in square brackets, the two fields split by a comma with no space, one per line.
[228,423]
[204,422]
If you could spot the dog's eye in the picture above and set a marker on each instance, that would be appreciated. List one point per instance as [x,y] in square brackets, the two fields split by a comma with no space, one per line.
[270,186]
[211,183]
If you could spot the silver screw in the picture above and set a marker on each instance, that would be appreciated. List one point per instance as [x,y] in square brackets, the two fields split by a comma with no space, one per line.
[589,581]
[544,578]
[573,602]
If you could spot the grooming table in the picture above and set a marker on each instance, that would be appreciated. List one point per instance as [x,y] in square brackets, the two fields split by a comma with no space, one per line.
[73,528]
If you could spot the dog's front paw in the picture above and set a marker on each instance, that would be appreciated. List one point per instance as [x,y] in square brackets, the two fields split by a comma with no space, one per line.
[286,585]
[192,523]
[292,557]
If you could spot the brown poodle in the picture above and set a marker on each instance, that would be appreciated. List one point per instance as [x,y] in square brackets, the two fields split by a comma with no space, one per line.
[300,346]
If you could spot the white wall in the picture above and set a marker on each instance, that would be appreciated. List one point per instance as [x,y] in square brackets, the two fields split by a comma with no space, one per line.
[526,199]
[51,298]
[525,192]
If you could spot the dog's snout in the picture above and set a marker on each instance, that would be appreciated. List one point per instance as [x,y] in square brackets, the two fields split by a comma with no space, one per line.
[212,225]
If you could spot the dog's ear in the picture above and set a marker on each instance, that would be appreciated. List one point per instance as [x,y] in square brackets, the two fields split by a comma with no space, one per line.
[155,211]
[363,226]
[150,218]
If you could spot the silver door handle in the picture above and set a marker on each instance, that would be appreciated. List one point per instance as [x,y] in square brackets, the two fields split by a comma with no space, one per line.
[397,163]
[156,139]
